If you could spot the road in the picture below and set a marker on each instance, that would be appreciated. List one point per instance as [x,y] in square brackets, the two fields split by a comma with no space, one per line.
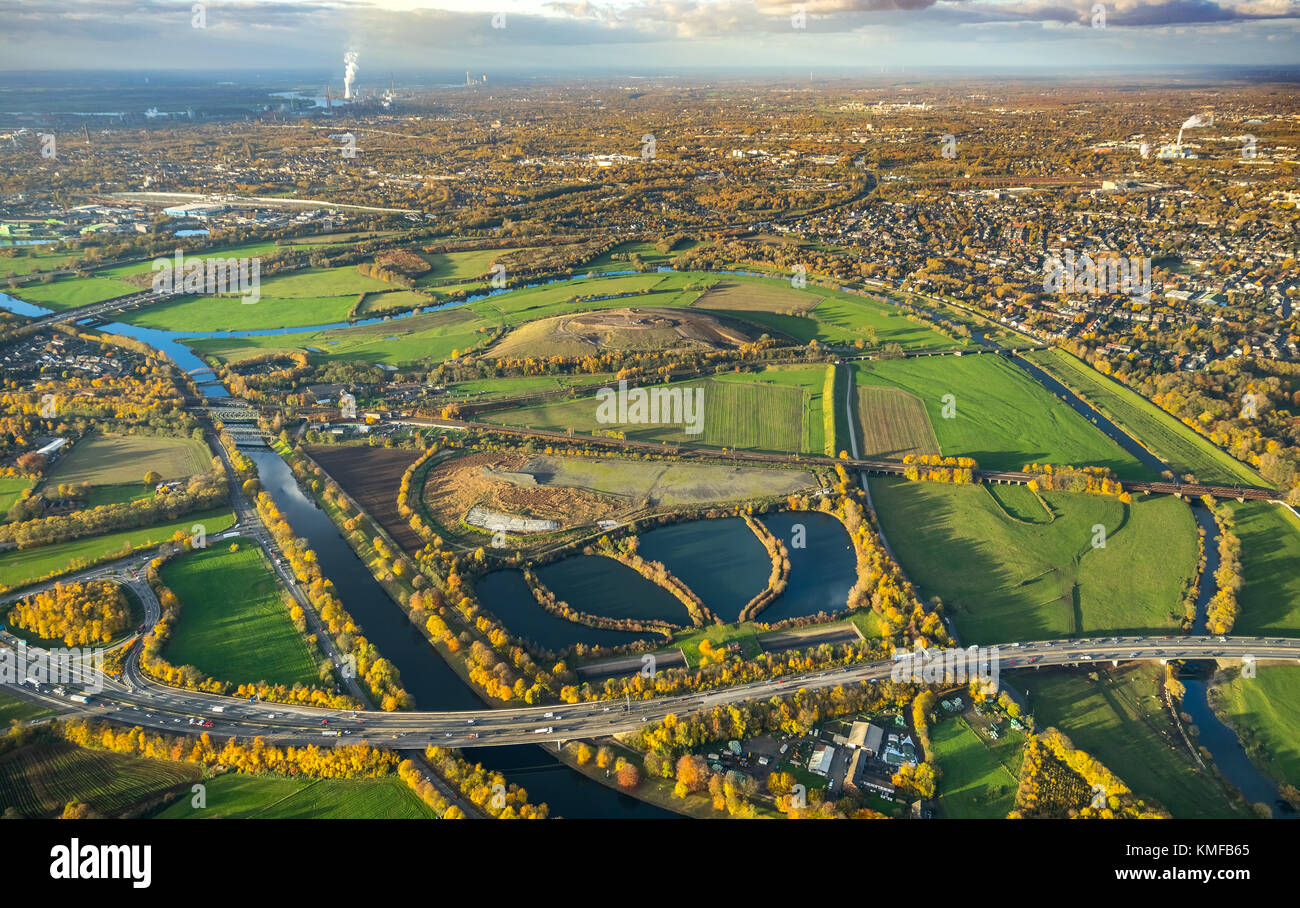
[137,700]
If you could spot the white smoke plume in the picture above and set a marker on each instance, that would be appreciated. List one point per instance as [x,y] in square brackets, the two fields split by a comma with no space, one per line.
[1195,121]
[349,72]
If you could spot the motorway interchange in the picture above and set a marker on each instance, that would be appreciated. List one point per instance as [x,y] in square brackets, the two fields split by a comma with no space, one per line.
[136,700]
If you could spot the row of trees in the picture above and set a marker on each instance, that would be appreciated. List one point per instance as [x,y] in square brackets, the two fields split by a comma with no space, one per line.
[200,494]
[779,578]
[1222,611]
[937,468]
[353,761]
[1097,480]
[379,675]
[489,791]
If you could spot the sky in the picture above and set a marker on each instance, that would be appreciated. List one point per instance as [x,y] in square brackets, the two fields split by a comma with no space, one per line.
[641,36]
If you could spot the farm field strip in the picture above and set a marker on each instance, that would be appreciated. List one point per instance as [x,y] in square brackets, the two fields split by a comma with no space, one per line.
[1176,444]
[894,424]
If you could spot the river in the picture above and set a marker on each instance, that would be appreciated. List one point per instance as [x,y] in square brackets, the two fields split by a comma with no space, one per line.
[424,673]
[1228,754]
[1112,431]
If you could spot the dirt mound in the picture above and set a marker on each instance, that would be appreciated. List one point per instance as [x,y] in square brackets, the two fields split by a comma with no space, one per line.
[622,329]
[502,484]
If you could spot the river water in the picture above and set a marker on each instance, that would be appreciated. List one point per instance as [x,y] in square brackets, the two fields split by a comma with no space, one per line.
[424,673]
[1229,756]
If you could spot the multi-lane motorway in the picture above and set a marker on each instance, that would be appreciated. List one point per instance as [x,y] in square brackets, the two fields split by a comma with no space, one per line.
[137,700]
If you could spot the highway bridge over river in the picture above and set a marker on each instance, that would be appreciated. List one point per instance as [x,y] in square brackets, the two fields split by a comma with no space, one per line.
[137,700]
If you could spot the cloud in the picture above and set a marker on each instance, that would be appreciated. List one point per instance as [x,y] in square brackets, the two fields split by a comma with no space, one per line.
[284,34]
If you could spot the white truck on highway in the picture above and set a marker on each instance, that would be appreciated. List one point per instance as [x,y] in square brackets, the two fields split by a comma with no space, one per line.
[543,731]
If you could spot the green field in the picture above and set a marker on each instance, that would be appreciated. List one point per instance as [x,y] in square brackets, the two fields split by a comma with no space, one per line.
[980,775]
[25,264]
[433,336]
[1003,418]
[234,622]
[120,493]
[775,410]
[376,304]
[311,296]
[253,249]
[11,489]
[1002,579]
[124,459]
[1166,437]
[71,292]
[893,424]
[450,267]
[12,708]
[21,568]
[1121,721]
[1265,712]
[489,388]
[237,796]
[649,254]
[1270,555]
[39,779]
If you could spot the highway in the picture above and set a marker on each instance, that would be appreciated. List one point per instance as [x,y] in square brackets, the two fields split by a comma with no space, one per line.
[137,700]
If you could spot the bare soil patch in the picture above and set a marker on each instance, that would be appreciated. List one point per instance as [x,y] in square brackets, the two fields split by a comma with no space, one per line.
[372,477]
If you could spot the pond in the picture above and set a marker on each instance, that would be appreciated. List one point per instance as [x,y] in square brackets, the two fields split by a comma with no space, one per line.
[720,559]
[602,586]
[506,595]
[821,573]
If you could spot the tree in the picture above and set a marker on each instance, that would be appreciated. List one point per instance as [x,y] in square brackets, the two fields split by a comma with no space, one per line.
[152,478]
[628,776]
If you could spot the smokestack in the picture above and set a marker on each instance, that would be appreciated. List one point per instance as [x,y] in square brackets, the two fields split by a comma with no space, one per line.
[349,73]
[1195,121]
